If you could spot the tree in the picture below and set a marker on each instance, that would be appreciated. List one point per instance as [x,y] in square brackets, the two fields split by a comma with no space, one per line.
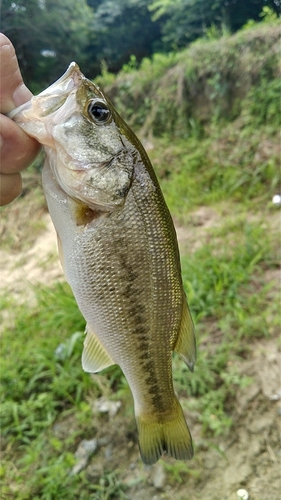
[122,28]
[182,21]
[47,35]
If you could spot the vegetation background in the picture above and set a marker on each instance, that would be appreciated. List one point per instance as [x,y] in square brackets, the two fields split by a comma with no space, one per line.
[47,34]
[200,83]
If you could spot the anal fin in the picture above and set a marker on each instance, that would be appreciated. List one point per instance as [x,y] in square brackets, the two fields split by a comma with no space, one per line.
[186,343]
[94,356]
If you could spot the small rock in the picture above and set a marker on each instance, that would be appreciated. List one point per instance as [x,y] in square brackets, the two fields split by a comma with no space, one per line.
[83,453]
[104,441]
[276,200]
[276,396]
[86,448]
[242,494]
[78,467]
[103,405]
[158,477]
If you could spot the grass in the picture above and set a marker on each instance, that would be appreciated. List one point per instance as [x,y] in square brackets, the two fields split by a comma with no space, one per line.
[47,401]
[233,164]
[43,384]
[225,288]
[44,387]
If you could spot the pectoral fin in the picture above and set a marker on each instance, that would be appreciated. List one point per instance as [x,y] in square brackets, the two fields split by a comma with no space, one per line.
[186,344]
[60,251]
[85,214]
[94,357]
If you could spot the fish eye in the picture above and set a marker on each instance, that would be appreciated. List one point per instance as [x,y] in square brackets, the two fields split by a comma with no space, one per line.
[98,112]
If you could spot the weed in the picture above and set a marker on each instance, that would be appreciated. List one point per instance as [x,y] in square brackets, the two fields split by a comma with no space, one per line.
[206,83]
[179,471]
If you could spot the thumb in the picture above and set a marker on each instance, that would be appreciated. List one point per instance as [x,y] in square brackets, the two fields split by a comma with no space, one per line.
[13,92]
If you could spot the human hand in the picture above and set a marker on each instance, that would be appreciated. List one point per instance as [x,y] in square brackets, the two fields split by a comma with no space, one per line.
[17,149]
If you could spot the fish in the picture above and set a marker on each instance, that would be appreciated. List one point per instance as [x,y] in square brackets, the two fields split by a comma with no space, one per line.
[119,251]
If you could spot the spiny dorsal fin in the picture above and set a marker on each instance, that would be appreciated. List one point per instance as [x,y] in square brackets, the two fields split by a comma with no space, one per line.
[186,343]
[94,357]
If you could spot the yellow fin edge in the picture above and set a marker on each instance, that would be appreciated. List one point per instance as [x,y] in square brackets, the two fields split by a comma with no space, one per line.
[94,356]
[170,435]
[186,343]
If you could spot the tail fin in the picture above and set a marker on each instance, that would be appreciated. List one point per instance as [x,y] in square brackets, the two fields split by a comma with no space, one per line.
[159,434]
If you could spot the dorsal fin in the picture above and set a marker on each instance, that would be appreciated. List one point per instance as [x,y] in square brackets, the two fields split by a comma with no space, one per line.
[94,357]
[186,344]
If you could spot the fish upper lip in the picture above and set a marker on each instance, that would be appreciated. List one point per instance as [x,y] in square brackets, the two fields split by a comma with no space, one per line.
[72,75]
[67,83]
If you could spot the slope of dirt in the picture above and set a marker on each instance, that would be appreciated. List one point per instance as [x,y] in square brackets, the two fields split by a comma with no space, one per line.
[38,264]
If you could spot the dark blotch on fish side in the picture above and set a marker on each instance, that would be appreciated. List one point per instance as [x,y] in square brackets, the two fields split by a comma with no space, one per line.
[153,386]
[140,330]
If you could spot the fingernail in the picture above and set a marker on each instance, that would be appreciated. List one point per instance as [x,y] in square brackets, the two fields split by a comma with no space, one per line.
[1,142]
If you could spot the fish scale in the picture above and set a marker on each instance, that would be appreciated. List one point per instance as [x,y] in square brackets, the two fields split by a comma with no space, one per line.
[119,252]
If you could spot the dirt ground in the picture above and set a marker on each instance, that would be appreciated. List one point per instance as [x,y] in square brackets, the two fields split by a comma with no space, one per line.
[249,458]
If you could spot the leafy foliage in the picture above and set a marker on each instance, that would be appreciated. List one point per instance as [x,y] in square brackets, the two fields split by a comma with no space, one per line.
[212,81]
[47,35]
[94,33]
[183,21]
[114,39]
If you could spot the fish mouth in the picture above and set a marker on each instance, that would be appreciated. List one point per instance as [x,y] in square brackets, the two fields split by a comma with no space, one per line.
[69,81]
[53,97]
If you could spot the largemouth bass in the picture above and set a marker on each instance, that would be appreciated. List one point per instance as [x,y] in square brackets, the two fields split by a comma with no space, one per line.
[119,251]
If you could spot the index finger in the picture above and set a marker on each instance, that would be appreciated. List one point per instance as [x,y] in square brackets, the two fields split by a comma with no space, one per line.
[13,92]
